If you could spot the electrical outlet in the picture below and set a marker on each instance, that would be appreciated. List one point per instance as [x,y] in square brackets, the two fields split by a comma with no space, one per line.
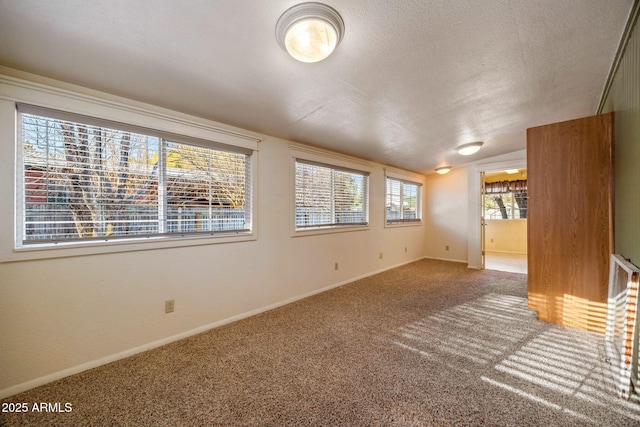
[169,306]
[336,266]
[446,248]
[491,240]
[380,256]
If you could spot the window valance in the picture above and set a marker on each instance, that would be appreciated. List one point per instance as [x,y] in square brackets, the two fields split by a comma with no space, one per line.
[519,186]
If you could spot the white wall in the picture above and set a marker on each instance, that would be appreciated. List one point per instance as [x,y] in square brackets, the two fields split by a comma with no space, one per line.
[446,215]
[62,315]
[506,235]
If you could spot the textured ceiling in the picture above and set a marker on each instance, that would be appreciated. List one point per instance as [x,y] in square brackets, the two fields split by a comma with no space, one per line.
[411,80]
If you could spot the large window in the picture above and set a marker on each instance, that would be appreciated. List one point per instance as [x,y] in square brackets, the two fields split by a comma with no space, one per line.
[403,201]
[505,200]
[330,196]
[83,179]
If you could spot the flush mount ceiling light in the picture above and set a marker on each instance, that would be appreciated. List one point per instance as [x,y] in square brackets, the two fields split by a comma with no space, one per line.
[443,170]
[309,31]
[512,171]
[469,149]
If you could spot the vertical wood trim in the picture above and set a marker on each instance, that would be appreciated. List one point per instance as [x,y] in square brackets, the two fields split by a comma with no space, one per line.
[620,54]
[623,97]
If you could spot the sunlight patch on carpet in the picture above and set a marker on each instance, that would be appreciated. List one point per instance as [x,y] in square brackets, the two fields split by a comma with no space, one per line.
[480,331]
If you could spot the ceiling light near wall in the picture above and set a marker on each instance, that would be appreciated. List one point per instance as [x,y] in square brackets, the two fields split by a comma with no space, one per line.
[309,31]
[469,149]
[512,171]
[443,170]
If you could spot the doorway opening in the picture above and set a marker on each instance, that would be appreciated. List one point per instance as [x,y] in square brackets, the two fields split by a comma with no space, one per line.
[504,220]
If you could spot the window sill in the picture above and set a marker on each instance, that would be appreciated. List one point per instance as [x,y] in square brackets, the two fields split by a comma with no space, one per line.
[402,224]
[76,249]
[301,232]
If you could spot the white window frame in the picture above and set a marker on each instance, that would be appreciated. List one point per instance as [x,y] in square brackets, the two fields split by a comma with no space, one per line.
[419,211]
[83,102]
[512,207]
[337,162]
[164,141]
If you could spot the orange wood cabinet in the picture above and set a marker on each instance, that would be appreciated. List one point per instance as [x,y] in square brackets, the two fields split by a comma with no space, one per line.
[570,220]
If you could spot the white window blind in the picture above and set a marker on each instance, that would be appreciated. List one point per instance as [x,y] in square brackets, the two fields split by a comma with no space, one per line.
[403,201]
[87,179]
[329,196]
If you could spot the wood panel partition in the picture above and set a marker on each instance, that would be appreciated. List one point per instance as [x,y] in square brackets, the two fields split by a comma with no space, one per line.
[570,220]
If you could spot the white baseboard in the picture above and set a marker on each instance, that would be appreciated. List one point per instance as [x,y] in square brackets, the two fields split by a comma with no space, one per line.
[19,388]
[464,261]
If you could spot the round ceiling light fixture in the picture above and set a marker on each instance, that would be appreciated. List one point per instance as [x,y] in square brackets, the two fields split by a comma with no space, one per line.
[443,170]
[470,148]
[310,32]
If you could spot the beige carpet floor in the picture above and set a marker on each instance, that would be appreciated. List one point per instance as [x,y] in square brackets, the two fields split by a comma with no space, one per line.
[431,343]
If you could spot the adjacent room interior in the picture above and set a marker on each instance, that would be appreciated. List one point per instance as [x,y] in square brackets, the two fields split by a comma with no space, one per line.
[285,213]
[504,204]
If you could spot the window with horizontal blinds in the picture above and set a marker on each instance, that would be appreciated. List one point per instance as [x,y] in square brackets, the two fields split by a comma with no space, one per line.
[403,201]
[330,196]
[83,181]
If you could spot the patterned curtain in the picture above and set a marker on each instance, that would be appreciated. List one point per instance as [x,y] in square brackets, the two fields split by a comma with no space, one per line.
[502,187]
